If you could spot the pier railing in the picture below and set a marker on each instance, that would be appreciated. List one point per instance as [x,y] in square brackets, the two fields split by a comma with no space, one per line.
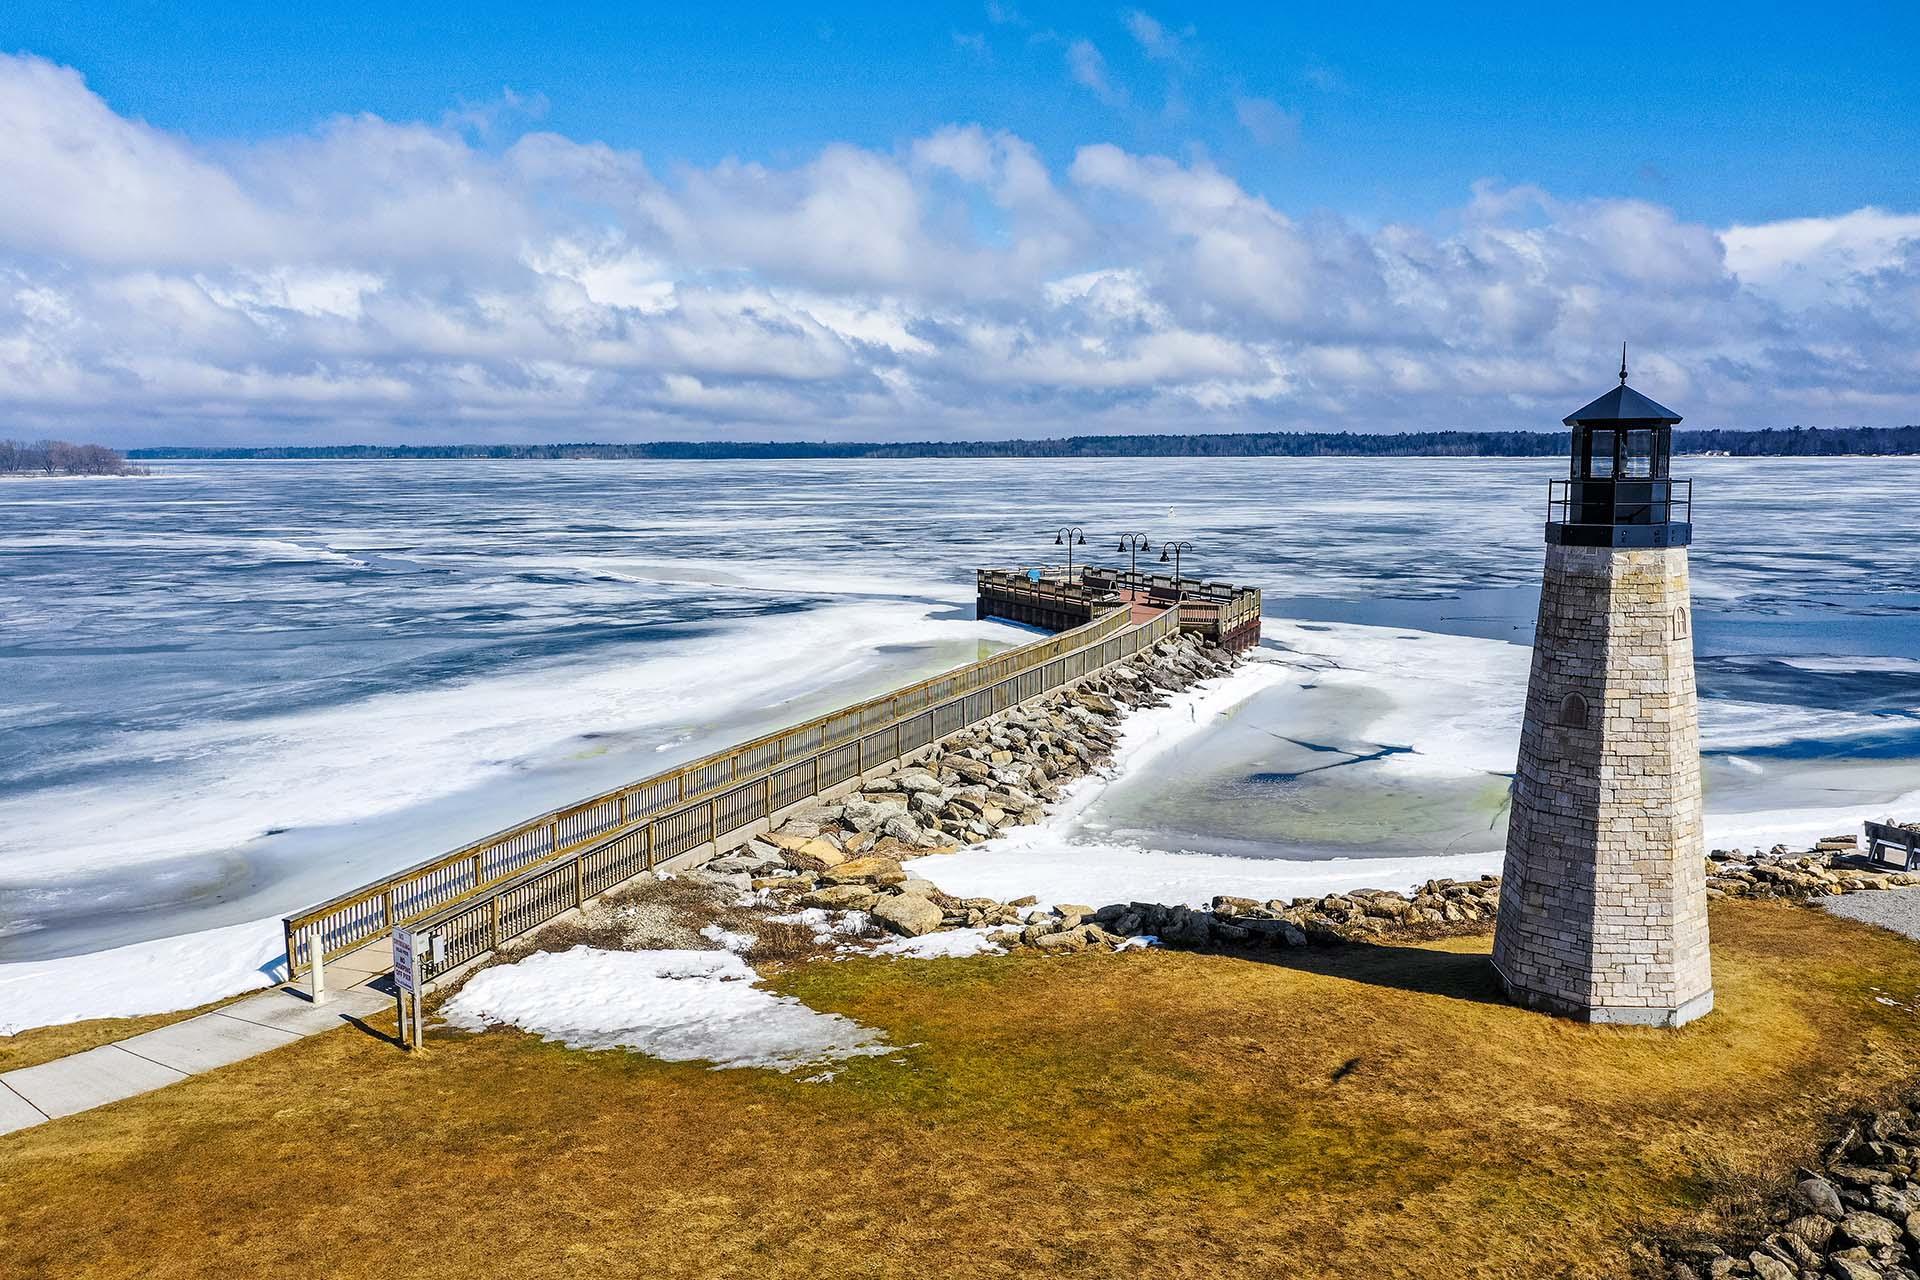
[646,822]
[1219,611]
[480,922]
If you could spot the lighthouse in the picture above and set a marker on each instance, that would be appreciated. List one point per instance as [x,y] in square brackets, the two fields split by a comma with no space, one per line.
[1603,904]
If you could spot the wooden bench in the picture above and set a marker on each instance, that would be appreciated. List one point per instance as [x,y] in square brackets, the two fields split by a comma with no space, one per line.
[1896,840]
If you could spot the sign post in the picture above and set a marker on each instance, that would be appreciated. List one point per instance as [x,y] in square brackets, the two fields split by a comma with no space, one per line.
[406,985]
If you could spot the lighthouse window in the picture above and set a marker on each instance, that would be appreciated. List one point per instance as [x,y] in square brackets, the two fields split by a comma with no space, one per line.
[1600,455]
[1573,711]
[1639,463]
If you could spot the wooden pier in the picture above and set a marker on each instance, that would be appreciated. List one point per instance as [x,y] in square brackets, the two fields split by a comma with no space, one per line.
[461,905]
[1057,599]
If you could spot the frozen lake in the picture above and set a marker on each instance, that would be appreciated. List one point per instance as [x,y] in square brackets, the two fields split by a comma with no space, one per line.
[231,689]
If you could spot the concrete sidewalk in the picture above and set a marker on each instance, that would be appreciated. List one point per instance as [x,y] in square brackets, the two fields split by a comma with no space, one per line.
[95,1077]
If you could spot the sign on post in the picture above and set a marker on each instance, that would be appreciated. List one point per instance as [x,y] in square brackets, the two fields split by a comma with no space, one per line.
[406,982]
[405,972]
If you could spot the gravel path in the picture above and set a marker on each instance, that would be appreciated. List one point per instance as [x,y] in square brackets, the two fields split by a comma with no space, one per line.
[1895,909]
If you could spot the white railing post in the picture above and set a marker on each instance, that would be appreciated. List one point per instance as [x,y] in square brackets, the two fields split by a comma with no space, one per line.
[317,950]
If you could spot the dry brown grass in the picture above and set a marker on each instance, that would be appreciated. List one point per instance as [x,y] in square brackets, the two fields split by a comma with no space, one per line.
[781,943]
[1366,1111]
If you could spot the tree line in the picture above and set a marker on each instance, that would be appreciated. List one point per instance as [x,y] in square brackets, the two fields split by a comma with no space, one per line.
[1795,442]
[62,457]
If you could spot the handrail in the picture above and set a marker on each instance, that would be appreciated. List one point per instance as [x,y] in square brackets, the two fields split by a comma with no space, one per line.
[465,929]
[1648,501]
[352,918]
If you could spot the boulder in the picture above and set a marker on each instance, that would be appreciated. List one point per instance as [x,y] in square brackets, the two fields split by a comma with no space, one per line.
[975,771]
[840,897]
[855,870]
[1852,1264]
[1768,1267]
[814,853]
[1820,1196]
[865,815]
[1868,1229]
[909,914]
[1813,1229]
[902,828]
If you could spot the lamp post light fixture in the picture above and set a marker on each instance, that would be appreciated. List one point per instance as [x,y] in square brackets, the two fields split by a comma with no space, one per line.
[1070,538]
[1175,548]
[1135,543]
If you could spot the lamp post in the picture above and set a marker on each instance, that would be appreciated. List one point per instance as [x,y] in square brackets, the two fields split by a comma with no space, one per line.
[1175,548]
[1070,538]
[1135,543]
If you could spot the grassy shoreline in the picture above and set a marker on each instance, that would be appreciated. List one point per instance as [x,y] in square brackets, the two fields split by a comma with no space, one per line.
[1367,1110]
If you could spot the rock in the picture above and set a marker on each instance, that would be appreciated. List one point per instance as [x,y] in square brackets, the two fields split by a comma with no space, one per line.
[1889,1203]
[878,870]
[1813,1229]
[1768,1267]
[1027,901]
[902,828]
[840,897]
[1072,914]
[908,914]
[1821,1196]
[1859,1176]
[1062,940]
[743,863]
[975,771]
[865,815]
[815,853]
[915,885]
[1852,1264]
[1869,1229]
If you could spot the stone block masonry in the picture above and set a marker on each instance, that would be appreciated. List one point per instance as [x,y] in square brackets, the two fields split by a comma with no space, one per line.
[1603,905]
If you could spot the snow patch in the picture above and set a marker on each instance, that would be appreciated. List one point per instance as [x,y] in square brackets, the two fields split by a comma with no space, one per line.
[142,978]
[738,943]
[948,944]
[683,1006]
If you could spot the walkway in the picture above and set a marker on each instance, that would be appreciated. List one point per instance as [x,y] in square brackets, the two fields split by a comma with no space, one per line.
[153,1059]
[1895,909]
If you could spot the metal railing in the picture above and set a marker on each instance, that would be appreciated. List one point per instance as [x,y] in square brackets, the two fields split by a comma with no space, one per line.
[1620,502]
[465,930]
[679,809]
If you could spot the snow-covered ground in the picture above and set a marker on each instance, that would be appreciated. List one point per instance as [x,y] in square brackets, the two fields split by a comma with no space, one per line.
[1455,703]
[1068,859]
[684,1006]
[145,977]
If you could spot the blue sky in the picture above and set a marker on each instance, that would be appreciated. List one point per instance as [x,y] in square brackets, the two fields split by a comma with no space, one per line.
[1725,112]
[1082,217]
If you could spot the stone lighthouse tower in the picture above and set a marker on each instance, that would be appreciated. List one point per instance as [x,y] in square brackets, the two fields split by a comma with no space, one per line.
[1603,906]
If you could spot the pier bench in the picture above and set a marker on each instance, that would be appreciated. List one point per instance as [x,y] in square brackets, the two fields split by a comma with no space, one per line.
[1902,842]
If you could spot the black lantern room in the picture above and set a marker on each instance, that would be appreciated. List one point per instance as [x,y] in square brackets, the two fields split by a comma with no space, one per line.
[1618,492]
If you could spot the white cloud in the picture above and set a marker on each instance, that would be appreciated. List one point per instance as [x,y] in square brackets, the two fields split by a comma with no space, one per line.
[1267,122]
[377,280]
[1152,35]
[1088,67]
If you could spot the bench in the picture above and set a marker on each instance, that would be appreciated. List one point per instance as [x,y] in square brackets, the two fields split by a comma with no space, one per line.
[1899,841]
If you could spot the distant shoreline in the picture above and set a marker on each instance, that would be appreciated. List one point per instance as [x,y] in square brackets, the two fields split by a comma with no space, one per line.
[1793,443]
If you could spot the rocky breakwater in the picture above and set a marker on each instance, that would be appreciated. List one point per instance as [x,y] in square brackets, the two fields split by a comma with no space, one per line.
[1854,1217]
[1832,866]
[845,856]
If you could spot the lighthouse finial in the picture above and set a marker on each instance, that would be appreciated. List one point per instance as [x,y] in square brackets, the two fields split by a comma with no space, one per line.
[1623,364]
